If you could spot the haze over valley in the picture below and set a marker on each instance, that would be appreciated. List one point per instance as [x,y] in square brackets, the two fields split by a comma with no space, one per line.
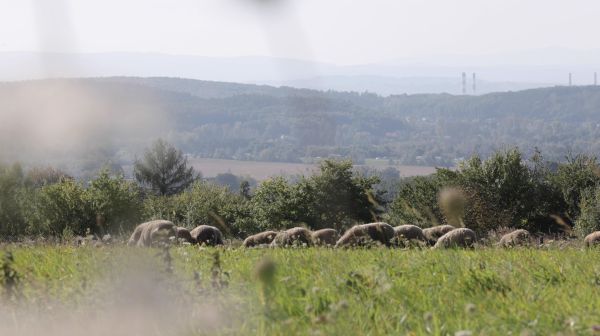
[83,124]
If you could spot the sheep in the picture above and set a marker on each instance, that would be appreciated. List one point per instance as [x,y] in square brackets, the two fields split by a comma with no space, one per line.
[259,239]
[516,238]
[360,234]
[184,234]
[208,235]
[592,239]
[461,237]
[137,233]
[409,232]
[294,236]
[432,234]
[148,233]
[325,237]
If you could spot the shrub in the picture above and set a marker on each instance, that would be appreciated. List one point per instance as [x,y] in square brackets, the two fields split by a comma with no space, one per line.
[502,191]
[204,203]
[589,219]
[342,197]
[109,204]
[61,207]
[115,203]
[12,192]
[417,200]
[574,178]
[277,204]
[336,197]
[38,177]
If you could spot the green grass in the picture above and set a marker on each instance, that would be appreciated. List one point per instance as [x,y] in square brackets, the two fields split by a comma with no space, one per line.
[324,291]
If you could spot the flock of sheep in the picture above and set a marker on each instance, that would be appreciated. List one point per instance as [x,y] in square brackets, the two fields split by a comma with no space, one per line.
[442,236]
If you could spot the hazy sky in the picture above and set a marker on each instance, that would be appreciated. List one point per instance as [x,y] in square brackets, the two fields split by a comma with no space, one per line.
[336,31]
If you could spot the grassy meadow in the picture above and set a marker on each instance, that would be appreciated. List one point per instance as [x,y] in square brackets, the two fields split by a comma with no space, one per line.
[187,290]
[260,170]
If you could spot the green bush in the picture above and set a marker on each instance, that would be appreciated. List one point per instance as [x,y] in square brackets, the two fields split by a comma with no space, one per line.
[204,203]
[337,197]
[343,197]
[109,205]
[61,207]
[416,201]
[159,207]
[577,176]
[12,193]
[278,204]
[589,219]
[502,191]
[115,203]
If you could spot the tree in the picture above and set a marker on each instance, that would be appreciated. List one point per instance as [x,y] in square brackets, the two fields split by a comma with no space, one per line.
[11,187]
[416,201]
[164,169]
[574,178]
[245,189]
[342,198]
[204,203]
[589,218]
[61,207]
[279,205]
[115,202]
[336,197]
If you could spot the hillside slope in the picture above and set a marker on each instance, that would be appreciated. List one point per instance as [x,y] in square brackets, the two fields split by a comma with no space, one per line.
[117,117]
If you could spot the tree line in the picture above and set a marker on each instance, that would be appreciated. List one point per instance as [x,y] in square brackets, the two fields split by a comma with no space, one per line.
[504,190]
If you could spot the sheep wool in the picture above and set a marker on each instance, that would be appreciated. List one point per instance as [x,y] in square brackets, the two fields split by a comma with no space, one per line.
[432,234]
[367,233]
[461,237]
[325,237]
[184,234]
[207,235]
[409,232]
[297,236]
[592,239]
[259,239]
[149,233]
[519,237]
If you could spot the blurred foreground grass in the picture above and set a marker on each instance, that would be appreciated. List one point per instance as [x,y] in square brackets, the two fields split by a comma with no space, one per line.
[312,291]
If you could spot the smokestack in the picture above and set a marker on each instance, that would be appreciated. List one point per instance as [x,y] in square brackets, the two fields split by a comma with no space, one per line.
[464,83]
[474,83]
[595,78]
[570,79]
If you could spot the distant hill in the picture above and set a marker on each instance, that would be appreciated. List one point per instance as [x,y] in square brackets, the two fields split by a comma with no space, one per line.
[387,85]
[85,121]
[433,74]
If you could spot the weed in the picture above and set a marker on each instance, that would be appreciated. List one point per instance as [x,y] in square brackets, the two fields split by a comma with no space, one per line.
[10,277]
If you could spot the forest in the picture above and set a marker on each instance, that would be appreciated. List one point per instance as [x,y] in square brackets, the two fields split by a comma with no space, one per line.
[121,115]
[506,190]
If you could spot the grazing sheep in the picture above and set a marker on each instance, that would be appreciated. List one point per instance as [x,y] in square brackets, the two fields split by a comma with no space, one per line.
[208,235]
[152,232]
[294,236]
[409,232]
[184,234]
[461,237]
[592,239]
[259,239]
[325,237]
[135,236]
[516,238]
[432,234]
[364,233]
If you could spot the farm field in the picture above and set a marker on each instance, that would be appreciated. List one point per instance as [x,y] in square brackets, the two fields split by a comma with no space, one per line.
[263,170]
[187,290]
